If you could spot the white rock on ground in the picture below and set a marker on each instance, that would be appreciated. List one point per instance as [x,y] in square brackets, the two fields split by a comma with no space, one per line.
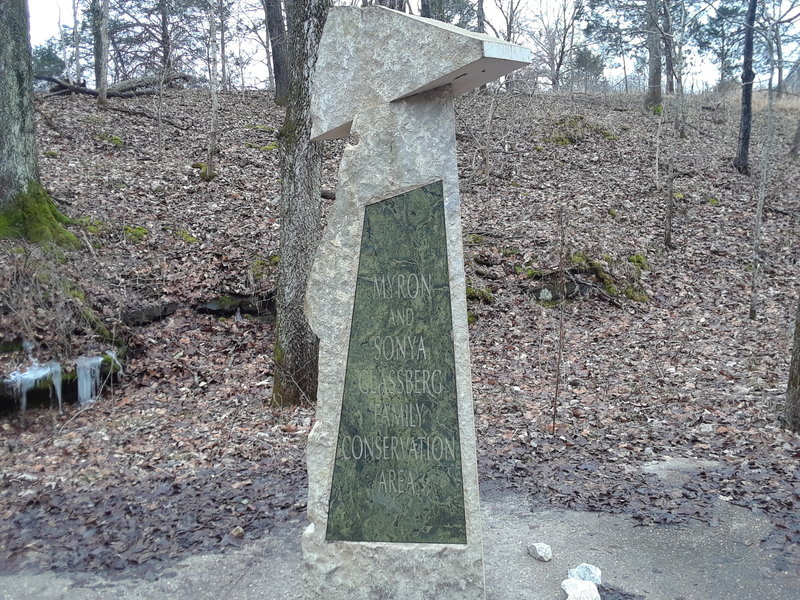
[578,589]
[586,572]
[540,552]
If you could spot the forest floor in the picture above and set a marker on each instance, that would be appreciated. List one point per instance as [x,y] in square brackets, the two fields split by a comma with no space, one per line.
[659,358]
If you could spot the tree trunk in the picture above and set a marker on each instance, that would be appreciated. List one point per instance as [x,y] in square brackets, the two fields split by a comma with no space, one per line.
[280,53]
[742,161]
[669,50]
[481,15]
[393,4]
[95,14]
[793,391]
[670,206]
[25,209]
[17,142]
[210,172]
[223,61]
[425,9]
[779,89]
[165,37]
[76,43]
[653,97]
[102,81]
[296,346]
[795,151]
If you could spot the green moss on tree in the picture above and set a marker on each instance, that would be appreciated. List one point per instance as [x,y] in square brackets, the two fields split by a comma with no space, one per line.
[33,216]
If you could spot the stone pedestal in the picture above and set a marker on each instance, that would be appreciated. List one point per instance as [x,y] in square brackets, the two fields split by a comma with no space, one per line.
[393,491]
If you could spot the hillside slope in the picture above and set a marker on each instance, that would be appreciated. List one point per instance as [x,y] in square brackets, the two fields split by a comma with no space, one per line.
[659,358]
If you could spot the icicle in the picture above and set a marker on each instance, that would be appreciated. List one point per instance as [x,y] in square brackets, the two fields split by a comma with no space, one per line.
[24,381]
[88,378]
[55,378]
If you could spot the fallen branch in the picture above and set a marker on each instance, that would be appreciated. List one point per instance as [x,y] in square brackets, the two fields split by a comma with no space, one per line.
[143,113]
[152,81]
[125,89]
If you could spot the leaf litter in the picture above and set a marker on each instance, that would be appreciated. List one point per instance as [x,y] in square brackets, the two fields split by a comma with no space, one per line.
[186,454]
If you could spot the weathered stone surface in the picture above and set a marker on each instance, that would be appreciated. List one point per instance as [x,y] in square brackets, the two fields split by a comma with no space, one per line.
[389,80]
[372,56]
[586,572]
[401,147]
[540,551]
[578,589]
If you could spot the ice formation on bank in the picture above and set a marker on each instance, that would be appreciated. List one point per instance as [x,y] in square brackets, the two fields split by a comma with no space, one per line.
[89,378]
[24,381]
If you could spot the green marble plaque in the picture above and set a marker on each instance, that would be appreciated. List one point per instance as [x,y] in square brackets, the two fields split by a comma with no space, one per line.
[397,473]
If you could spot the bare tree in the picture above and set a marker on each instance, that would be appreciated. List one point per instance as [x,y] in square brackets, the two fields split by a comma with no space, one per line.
[775,18]
[652,100]
[280,50]
[425,9]
[511,11]
[554,38]
[793,390]
[296,345]
[223,13]
[393,4]
[481,15]
[213,85]
[669,51]
[742,160]
[102,55]
[76,42]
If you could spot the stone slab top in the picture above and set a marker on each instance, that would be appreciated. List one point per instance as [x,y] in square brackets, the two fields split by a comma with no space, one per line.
[374,55]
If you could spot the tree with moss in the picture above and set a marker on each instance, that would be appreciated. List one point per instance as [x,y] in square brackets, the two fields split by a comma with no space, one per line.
[793,391]
[25,209]
[296,346]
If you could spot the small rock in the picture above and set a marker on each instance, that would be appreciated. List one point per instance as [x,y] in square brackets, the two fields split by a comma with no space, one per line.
[585,572]
[540,552]
[237,531]
[706,428]
[578,589]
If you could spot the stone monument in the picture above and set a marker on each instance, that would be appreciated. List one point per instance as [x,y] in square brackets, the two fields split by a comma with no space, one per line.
[393,490]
